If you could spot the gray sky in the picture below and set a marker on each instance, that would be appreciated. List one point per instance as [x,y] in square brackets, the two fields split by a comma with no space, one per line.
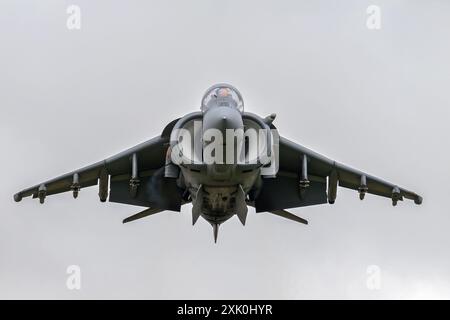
[377,100]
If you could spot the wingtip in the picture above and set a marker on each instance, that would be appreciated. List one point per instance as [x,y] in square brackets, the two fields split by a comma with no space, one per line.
[17,197]
[418,200]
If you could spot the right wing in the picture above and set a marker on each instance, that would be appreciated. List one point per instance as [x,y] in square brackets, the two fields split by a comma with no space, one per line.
[290,160]
[303,171]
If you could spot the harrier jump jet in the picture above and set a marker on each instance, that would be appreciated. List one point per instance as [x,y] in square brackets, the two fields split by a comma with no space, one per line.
[194,160]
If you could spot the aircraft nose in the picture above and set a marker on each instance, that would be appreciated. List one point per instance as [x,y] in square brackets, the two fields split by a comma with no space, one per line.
[222,118]
[226,124]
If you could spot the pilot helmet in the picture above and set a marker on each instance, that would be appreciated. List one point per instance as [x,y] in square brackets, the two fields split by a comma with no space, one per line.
[222,95]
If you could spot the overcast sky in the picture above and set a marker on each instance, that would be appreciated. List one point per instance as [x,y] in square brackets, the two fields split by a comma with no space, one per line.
[377,100]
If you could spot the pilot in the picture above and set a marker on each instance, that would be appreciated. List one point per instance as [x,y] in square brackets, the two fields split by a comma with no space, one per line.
[223,92]
[222,95]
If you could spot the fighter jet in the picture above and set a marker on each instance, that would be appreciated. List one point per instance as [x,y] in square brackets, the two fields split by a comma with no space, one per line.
[222,160]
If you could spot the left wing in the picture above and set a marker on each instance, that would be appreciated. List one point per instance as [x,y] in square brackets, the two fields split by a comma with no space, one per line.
[142,164]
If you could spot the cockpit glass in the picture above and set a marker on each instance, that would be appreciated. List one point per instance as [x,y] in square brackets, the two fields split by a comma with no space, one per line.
[223,93]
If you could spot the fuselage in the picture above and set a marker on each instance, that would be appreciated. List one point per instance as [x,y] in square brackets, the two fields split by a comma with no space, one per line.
[219,154]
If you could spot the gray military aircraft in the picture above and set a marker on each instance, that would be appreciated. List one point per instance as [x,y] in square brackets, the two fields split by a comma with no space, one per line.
[186,164]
